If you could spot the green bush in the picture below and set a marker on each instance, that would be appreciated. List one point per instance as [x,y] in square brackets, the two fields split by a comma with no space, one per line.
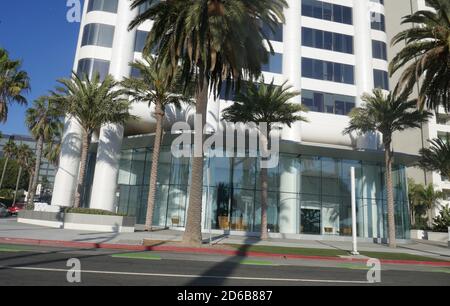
[442,222]
[421,224]
[88,211]
[30,207]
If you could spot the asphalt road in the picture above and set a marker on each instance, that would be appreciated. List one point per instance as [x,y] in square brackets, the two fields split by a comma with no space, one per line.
[46,266]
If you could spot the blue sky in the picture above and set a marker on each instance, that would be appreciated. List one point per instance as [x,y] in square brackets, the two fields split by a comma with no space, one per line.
[37,33]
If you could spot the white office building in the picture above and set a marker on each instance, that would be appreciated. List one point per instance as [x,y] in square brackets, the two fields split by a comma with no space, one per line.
[331,50]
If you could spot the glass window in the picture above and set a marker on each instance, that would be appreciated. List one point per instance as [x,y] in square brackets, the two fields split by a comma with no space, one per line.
[327,11]
[379,50]
[275,34]
[381,79]
[310,214]
[91,66]
[96,34]
[322,70]
[275,64]
[103,5]
[141,39]
[327,40]
[326,102]
[378,22]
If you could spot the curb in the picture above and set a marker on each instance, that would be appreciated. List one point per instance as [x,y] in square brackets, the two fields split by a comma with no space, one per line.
[175,249]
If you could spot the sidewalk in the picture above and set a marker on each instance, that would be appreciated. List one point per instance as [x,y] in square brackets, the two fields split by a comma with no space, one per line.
[16,232]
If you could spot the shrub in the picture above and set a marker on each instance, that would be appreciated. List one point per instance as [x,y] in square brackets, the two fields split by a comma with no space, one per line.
[442,222]
[30,207]
[88,211]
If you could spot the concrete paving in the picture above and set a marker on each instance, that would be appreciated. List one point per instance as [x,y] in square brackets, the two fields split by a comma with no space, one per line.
[10,228]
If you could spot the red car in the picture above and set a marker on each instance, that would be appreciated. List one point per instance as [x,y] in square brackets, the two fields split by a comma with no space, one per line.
[16,207]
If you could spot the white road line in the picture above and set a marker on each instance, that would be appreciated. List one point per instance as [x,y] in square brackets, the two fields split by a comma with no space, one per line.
[298,280]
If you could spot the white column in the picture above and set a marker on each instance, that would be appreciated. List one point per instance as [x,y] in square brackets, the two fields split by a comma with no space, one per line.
[363,48]
[104,187]
[289,201]
[69,164]
[292,59]
[69,160]
[363,55]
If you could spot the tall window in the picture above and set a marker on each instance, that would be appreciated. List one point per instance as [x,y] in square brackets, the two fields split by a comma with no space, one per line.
[378,22]
[96,34]
[328,71]
[381,79]
[327,103]
[327,11]
[327,40]
[90,66]
[103,5]
[379,49]
[275,64]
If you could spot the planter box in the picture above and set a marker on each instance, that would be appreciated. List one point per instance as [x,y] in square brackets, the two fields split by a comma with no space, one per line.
[48,219]
[439,237]
[430,236]
[419,234]
[98,223]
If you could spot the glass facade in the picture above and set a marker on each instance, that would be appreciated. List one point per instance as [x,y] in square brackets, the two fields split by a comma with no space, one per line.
[307,194]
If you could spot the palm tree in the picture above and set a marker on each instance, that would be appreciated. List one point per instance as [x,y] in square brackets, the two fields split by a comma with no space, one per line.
[430,198]
[154,87]
[9,151]
[216,42]
[386,114]
[92,103]
[269,104]
[415,200]
[52,149]
[426,55]
[24,156]
[42,120]
[13,84]
[436,157]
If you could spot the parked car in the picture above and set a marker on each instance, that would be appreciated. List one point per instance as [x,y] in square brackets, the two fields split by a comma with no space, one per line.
[3,211]
[16,207]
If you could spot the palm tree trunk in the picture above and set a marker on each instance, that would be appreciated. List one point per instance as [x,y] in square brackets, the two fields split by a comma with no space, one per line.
[82,172]
[17,184]
[159,113]
[390,196]
[264,189]
[4,171]
[30,183]
[430,218]
[37,167]
[264,200]
[193,231]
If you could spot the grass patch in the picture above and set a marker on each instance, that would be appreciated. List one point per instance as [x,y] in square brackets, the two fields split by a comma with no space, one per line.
[256,262]
[142,255]
[330,253]
[290,251]
[12,248]
[399,256]
[354,266]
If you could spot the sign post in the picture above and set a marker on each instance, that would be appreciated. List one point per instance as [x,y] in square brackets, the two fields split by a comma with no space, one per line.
[354,228]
